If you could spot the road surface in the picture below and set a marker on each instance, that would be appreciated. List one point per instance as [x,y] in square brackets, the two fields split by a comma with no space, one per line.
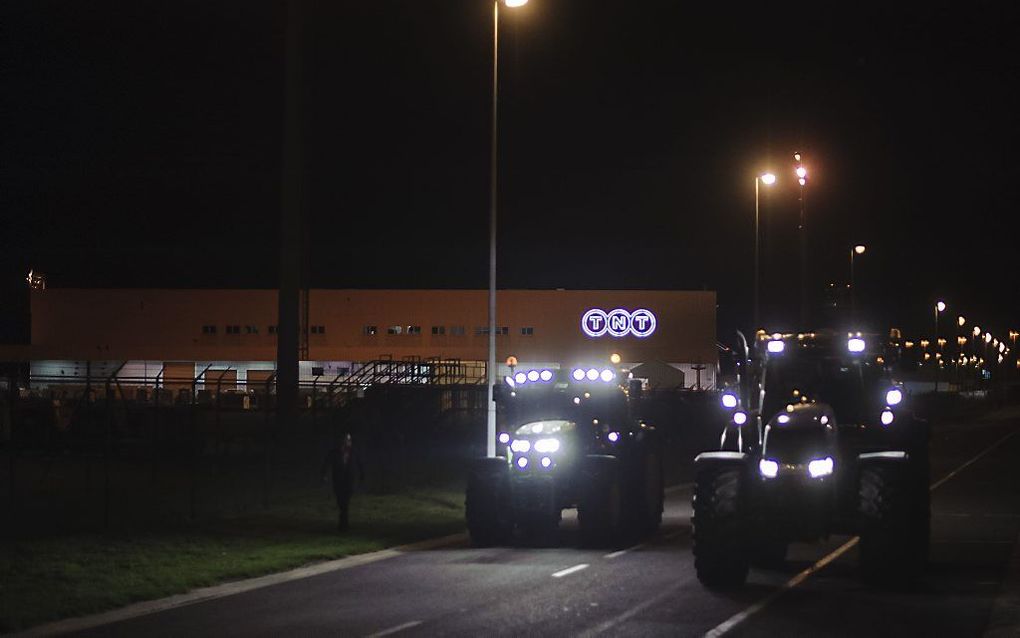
[651,589]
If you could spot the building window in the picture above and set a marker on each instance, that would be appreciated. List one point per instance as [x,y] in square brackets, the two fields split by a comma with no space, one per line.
[481,331]
[457,331]
[369,331]
[318,330]
[503,330]
[208,330]
[414,330]
[251,330]
[272,329]
[395,330]
[438,330]
[233,330]
[528,331]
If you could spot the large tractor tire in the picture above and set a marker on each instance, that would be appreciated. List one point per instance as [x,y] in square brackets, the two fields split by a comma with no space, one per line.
[600,512]
[651,496]
[719,530]
[894,523]
[487,505]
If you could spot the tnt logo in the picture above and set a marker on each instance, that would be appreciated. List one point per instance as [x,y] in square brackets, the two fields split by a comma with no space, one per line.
[618,323]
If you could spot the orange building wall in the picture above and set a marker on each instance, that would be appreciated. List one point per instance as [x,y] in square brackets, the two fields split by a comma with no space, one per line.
[167,324]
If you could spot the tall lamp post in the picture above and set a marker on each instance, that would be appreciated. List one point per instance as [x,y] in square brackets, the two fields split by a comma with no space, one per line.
[940,307]
[802,180]
[854,250]
[768,179]
[490,444]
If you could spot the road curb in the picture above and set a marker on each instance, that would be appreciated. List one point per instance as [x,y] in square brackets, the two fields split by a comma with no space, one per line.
[81,623]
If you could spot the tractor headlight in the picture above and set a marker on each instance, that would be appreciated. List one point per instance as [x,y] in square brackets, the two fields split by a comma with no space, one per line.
[855,344]
[504,438]
[520,378]
[820,467]
[532,375]
[894,396]
[887,417]
[768,468]
[607,375]
[520,445]
[578,374]
[547,446]
[729,400]
[546,375]
[740,417]
[776,346]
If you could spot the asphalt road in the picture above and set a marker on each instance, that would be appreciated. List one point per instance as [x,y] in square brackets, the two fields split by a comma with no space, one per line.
[651,589]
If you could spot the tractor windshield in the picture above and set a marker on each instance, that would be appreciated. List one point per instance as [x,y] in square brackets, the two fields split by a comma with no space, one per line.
[853,387]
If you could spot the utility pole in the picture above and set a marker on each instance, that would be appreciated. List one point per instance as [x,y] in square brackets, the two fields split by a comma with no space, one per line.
[291,224]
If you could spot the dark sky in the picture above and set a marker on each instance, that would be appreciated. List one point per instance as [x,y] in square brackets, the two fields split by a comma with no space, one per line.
[142,147]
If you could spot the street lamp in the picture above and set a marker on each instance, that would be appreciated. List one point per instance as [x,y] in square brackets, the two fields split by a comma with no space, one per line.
[801,173]
[940,306]
[493,166]
[768,179]
[854,250]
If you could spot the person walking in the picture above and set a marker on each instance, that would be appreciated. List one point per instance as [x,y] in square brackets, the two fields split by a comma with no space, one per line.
[341,462]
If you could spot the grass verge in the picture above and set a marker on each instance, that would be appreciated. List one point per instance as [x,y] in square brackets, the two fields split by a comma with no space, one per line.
[43,579]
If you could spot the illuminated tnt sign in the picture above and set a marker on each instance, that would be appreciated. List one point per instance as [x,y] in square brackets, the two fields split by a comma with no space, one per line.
[618,323]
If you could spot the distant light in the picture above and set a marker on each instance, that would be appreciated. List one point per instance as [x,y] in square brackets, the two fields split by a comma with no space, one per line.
[977,331]
[768,468]
[740,417]
[546,375]
[613,437]
[802,181]
[515,3]
[988,337]
[784,418]
[860,248]
[961,320]
[856,344]
[775,347]
[768,179]
[940,306]
[887,417]
[729,400]
[801,172]
[614,358]
[796,156]
[577,400]
[824,420]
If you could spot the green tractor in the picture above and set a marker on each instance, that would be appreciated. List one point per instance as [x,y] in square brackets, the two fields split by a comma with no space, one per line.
[820,439]
[568,438]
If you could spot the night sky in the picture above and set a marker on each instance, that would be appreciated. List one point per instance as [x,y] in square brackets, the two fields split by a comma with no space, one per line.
[142,147]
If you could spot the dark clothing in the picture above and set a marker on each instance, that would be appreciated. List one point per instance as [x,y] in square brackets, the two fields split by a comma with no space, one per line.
[342,463]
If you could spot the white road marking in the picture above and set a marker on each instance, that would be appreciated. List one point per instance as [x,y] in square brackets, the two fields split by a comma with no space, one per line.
[728,624]
[621,552]
[394,630]
[633,611]
[570,570]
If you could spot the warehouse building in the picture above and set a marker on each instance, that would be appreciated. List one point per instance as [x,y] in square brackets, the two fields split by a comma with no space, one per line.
[231,334]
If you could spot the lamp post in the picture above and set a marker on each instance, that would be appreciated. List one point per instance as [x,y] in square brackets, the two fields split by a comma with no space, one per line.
[493,165]
[854,250]
[940,306]
[801,173]
[768,179]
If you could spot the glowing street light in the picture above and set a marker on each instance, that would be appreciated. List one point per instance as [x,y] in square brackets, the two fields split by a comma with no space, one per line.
[961,320]
[768,179]
[493,167]
[940,307]
[858,249]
